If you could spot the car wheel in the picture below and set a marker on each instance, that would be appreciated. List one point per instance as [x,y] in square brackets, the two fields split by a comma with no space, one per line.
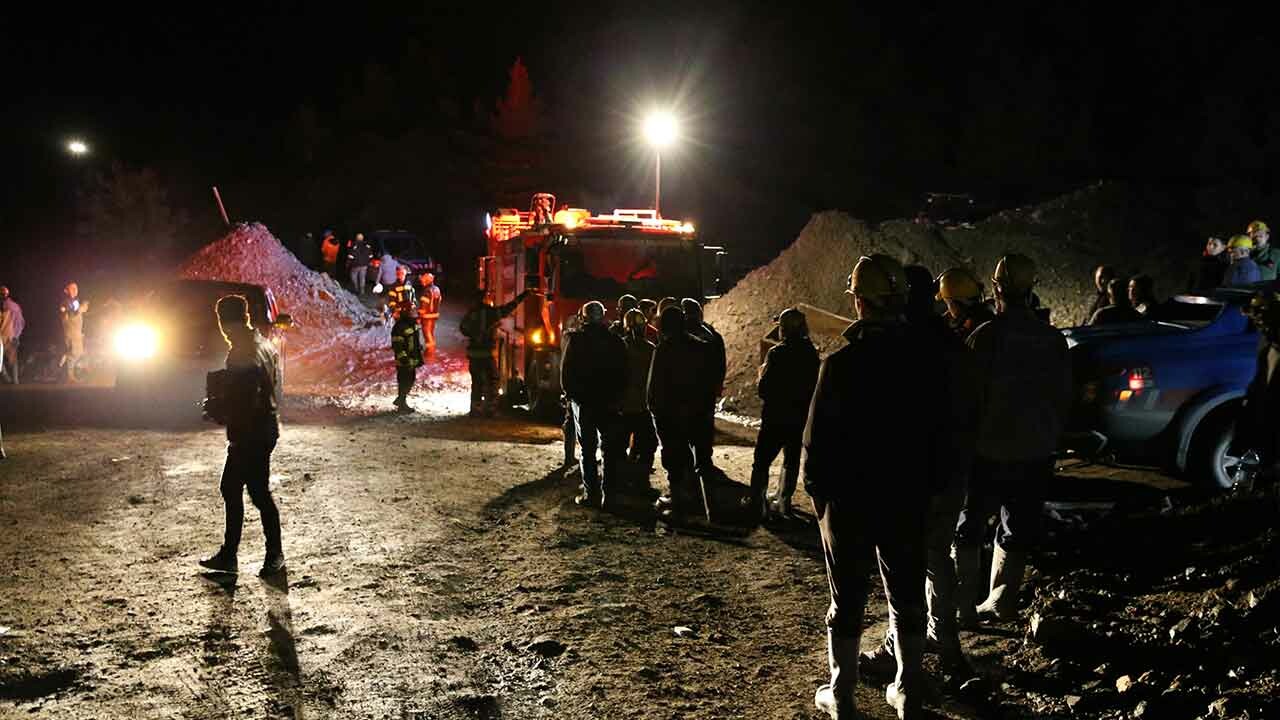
[1220,463]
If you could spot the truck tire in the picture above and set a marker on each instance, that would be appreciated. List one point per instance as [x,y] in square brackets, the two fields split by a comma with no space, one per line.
[544,402]
[1210,461]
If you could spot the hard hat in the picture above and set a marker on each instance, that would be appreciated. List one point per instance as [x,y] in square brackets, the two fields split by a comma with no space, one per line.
[1241,241]
[634,321]
[627,302]
[428,278]
[692,310]
[793,323]
[593,311]
[958,283]
[1257,225]
[1015,273]
[877,276]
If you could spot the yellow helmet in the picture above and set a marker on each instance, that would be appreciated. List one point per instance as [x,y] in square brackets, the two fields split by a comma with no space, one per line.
[1257,225]
[877,276]
[634,321]
[1015,274]
[958,284]
[1241,241]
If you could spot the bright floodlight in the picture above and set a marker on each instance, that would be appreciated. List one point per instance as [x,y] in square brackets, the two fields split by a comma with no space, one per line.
[77,147]
[660,129]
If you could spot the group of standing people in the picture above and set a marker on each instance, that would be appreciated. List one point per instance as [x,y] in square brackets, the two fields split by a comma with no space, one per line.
[71,312]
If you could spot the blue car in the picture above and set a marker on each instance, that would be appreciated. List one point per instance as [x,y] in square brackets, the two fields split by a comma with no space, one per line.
[1167,391]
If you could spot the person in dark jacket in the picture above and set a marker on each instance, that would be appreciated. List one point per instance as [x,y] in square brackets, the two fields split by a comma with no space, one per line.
[406,346]
[1263,255]
[626,304]
[1258,422]
[709,394]
[480,327]
[1119,311]
[872,452]
[787,378]
[922,293]
[251,415]
[1024,393]
[1211,271]
[358,256]
[1102,277]
[593,374]
[638,432]
[676,381]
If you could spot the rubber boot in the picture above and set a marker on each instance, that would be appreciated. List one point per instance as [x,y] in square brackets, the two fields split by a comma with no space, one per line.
[879,663]
[968,569]
[1006,579]
[906,694]
[836,697]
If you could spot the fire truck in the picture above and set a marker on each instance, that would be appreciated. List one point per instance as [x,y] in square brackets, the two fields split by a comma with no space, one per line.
[571,256]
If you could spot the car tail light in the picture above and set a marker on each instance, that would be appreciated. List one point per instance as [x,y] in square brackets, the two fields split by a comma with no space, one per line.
[1141,378]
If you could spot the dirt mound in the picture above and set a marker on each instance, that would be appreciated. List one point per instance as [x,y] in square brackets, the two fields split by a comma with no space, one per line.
[1067,237]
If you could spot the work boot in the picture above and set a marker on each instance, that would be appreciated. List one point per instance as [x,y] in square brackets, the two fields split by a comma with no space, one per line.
[906,693]
[222,561]
[878,663]
[781,505]
[836,697]
[1006,579]
[272,564]
[968,567]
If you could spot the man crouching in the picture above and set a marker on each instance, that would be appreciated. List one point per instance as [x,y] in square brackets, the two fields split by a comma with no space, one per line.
[249,406]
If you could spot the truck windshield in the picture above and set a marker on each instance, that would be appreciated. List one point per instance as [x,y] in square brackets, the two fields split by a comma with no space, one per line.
[604,268]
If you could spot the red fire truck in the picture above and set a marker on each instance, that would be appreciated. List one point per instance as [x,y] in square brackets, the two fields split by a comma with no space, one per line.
[571,256]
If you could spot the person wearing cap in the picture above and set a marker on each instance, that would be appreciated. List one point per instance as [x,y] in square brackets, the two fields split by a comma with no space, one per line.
[705,429]
[872,457]
[1264,256]
[961,293]
[626,303]
[1024,394]
[787,378]
[71,312]
[1120,310]
[676,380]
[1243,270]
[480,326]
[593,374]
[358,255]
[11,326]
[429,309]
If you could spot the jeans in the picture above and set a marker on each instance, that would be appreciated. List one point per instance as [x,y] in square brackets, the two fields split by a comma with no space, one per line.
[358,278]
[676,430]
[249,465]
[484,384]
[1014,490]
[775,438]
[597,427]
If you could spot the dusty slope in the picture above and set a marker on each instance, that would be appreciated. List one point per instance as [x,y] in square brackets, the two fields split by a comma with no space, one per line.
[1067,237]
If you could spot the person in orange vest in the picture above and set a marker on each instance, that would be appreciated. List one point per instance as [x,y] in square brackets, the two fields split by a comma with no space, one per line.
[329,253]
[429,310]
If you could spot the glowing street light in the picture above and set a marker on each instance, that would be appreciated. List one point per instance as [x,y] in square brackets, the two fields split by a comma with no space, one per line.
[660,131]
[77,148]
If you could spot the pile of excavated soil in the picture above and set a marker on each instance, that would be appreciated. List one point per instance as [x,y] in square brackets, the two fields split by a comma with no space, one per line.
[1067,237]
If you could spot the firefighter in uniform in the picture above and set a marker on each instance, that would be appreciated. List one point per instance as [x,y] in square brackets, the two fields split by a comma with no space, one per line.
[429,310]
[593,374]
[705,427]
[787,378]
[251,413]
[676,383]
[872,448]
[1023,377]
[402,305]
[638,432]
[480,327]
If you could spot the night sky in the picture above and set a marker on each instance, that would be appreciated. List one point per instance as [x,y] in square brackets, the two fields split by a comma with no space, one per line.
[788,108]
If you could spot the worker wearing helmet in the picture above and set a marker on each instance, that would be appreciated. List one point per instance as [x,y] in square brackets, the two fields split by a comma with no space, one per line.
[638,433]
[961,293]
[1243,270]
[677,380]
[1024,393]
[1264,256]
[401,297]
[429,309]
[593,374]
[787,379]
[871,463]
[480,326]
[626,304]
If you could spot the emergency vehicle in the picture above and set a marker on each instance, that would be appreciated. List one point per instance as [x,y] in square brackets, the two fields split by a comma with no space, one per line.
[569,257]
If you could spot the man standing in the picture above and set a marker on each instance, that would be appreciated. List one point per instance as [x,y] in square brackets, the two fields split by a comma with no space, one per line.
[787,379]
[626,304]
[480,327]
[1211,270]
[358,255]
[872,451]
[676,379]
[593,375]
[1119,310]
[1243,271]
[709,393]
[1023,377]
[406,345]
[251,413]
[637,422]
[429,310]
[11,326]
[72,311]
[1258,424]
[1102,276]
[329,253]
[1264,256]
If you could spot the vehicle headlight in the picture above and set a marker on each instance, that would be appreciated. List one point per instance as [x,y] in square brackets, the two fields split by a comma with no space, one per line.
[137,342]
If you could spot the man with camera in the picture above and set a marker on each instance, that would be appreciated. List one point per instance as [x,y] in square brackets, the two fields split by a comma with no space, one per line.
[246,399]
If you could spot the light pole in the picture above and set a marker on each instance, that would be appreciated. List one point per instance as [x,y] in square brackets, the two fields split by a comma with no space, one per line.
[660,131]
